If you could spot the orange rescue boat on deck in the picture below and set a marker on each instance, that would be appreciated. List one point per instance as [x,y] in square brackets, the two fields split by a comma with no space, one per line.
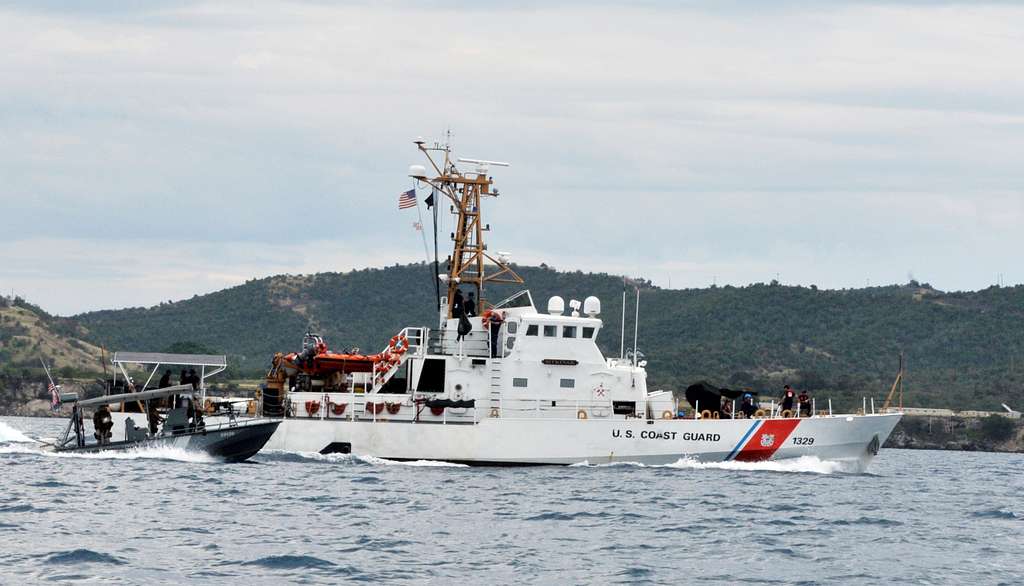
[316,368]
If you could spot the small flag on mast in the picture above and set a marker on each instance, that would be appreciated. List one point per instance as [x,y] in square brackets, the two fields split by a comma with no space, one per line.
[54,397]
[407,199]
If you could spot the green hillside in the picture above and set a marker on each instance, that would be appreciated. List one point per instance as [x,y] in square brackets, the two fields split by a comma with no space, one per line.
[963,349]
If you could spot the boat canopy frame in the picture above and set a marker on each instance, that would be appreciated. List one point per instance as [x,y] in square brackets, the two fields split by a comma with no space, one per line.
[216,362]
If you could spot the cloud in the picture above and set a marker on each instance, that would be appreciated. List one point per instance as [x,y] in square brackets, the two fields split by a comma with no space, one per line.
[827,142]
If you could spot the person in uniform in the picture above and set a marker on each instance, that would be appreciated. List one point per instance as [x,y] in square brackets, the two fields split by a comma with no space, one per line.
[457,305]
[804,400]
[471,306]
[154,418]
[747,406]
[494,325]
[102,423]
[165,380]
[788,398]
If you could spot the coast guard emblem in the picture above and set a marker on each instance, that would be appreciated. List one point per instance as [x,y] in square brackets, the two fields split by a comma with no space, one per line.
[767,440]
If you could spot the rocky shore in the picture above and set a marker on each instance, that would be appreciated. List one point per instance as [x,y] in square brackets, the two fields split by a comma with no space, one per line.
[989,434]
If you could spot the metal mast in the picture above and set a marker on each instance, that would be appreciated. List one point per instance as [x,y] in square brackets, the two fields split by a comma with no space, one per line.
[470,261]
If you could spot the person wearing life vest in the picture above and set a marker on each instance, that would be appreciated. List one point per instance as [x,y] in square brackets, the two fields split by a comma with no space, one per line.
[471,306]
[804,400]
[788,398]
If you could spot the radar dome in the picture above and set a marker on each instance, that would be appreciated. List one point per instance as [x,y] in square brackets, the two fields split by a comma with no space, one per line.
[417,171]
[592,306]
[556,305]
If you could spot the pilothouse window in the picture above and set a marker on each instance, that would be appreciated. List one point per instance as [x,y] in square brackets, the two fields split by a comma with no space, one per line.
[550,331]
[567,383]
[588,333]
[519,382]
[532,330]
[569,332]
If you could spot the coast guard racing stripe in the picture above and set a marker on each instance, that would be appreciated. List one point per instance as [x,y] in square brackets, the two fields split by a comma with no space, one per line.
[768,439]
[742,441]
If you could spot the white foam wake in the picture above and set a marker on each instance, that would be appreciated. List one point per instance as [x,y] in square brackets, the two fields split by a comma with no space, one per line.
[422,463]
[147,453]
[807,464]
[10,435]
[371,460]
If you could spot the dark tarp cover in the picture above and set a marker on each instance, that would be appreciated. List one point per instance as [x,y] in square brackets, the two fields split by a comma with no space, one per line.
[451,403]
[710,396]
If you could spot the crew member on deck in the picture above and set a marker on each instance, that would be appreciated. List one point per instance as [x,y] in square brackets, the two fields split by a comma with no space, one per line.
[165,380]
[788,397]
[193,378]
[494,325]
[102,423]
[747,406]
[726,410]
[804,400]
[471,306]
[457,306]
[154,418]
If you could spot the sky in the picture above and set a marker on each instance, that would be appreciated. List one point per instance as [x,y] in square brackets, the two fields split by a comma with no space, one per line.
[151,151]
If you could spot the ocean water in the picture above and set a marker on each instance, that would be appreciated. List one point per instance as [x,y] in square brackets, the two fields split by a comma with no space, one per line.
[916,517]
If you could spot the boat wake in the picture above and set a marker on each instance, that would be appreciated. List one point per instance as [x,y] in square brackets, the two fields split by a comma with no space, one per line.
[9,434]
[353,459]
[147,453]
[803,464]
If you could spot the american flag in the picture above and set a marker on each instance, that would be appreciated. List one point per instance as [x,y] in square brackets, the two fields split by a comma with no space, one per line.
[407,199]
[54,397]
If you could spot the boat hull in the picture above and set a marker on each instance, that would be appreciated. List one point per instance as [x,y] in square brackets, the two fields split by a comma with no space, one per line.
[228,443]
[497,441]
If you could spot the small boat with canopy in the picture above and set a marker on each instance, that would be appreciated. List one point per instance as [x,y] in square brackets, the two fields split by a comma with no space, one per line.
[180,426]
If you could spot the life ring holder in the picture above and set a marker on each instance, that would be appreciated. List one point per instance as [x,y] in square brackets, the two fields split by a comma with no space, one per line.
[787,413]
[666,414]
[759,413]
[312,407]
[716,415]
[705,414]
[581,415]
[399,344]
[338,408]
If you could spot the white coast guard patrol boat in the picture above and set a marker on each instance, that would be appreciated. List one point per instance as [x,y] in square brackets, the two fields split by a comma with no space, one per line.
[516,385]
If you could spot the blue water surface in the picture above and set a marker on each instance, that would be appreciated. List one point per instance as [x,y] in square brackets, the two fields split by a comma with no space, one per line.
[916,517]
